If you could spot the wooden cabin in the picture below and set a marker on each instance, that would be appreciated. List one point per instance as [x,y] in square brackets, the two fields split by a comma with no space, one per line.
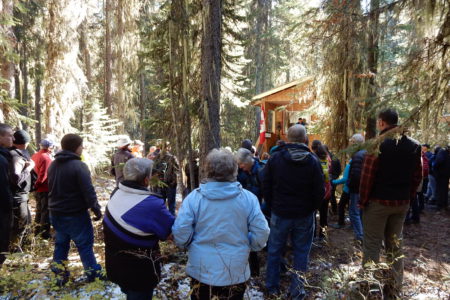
[283,106]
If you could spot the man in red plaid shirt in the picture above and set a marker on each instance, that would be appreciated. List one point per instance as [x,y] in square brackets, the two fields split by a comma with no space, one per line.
[388,181]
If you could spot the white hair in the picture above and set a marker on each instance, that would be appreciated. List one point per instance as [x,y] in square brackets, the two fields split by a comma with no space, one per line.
[244,156]
[221,165]
[137,169]
[357,138]
[297,134]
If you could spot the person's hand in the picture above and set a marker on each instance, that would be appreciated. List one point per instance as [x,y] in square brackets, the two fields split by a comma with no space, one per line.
[98,213]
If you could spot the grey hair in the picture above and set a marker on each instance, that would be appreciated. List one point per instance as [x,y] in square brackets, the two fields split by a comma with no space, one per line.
[357,138]
[297,134]
[244,156]
[137,169]
[221,165]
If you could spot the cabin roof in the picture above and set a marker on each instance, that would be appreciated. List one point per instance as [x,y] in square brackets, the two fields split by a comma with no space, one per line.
[291,84]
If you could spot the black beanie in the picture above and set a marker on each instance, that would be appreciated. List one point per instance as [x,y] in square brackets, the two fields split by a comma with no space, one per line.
[247,144]
[21,137]
[71,142]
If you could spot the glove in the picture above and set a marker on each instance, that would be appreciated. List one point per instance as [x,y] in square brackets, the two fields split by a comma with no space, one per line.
[97,212]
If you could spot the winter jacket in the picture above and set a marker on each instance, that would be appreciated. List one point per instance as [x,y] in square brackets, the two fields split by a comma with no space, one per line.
[344,178]
[398,160]
[70,186]
[42,160]
[118,162]
[336,168]
[21,174]
[354,177]
[293,182]
[6,197]
[442,163]
[134,222]
[252,181]
[425,165]
[167,167]
[220,223]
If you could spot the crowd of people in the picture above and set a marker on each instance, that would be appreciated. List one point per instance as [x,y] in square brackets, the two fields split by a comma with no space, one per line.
[245,204]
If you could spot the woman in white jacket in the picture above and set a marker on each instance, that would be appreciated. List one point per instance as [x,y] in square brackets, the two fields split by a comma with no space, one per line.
[220,223]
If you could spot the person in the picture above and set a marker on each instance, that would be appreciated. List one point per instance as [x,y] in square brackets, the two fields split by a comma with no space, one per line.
[134,223]
[6,196]
[431,191]
[122,155]
[353,183]
[196,170]
[388,181]
[42,160]
[265,157]
[335,172]
[300,121]
[137,149]
[220,223]
[293,187]
[71,195]
[325,161]
[247,144]
[22,177]
[442,175]
[249,177]
[151,152]
[345,196]
[278,146]
[166,166]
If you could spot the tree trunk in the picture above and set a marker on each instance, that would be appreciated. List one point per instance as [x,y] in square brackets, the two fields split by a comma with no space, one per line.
[86,59]
[372,61]
[37,109]
[210,78]
[6,66]
[24,70]
[108,72]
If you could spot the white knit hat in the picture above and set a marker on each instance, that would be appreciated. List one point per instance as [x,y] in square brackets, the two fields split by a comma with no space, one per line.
[123,141]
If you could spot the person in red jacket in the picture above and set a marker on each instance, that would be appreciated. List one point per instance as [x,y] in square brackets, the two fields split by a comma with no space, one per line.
[42,160]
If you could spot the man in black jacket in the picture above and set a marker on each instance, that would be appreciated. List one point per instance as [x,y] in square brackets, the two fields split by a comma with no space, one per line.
[293,187]
[22,167]
[71,194]
[6,198]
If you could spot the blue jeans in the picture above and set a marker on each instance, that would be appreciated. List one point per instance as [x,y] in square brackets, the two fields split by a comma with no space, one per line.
[171,193]
[138,295]
[355,216]
[431,190]
[76,227]
[302,232]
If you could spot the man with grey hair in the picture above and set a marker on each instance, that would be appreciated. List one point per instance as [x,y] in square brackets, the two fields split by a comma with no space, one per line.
[134,223]
[293,187]
[6,196]
[220,223]
[353,181]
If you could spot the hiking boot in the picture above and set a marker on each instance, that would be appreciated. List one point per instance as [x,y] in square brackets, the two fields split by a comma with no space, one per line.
[62,278]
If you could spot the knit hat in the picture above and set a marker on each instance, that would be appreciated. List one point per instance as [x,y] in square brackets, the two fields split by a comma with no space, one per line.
[21,137]
[46,143]
[71,142]
[247,144]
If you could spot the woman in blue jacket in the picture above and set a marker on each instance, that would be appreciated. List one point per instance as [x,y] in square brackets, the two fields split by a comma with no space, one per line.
[220,223]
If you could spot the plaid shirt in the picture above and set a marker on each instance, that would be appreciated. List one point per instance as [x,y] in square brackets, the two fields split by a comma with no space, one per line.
[369,170]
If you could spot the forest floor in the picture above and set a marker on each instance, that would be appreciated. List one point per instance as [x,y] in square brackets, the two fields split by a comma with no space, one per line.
[334,266]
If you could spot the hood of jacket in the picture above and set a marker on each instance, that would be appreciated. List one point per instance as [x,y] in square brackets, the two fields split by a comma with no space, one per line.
[65,155]
[297,153]
[214,190]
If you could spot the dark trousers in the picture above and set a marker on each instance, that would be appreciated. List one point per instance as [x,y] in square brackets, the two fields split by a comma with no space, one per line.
[42,217]
[21,220]
[254,263]
[414,210]
[323,217]
[201,291]
[343,203]
[441,191]
[333,201]
[5,233]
